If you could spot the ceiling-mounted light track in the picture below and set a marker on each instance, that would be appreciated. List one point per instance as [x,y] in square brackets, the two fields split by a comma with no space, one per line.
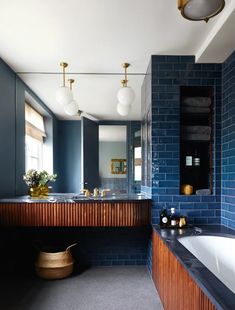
[197,10]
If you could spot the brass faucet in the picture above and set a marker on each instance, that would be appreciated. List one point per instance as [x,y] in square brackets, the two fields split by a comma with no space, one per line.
[104,191]
[86,191]
[96,192]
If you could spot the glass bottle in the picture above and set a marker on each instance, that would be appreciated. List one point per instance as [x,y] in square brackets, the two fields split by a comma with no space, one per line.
[196,159]
[164,220]
[174,219]
[188,159]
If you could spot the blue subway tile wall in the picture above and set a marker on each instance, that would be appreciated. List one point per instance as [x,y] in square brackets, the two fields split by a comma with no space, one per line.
[168,74]
[228,143]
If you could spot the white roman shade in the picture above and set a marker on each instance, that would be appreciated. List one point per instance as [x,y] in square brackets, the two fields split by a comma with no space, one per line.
[34,123]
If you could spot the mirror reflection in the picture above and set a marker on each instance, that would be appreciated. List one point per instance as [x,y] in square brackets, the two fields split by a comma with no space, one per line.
[113,158]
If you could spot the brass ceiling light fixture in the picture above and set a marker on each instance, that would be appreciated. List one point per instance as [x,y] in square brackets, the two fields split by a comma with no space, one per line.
[197,10]
[64,94]
[125,94]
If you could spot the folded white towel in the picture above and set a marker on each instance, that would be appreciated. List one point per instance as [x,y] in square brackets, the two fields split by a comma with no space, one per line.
[197,129]
[196,101]
[195,109]
[195,137]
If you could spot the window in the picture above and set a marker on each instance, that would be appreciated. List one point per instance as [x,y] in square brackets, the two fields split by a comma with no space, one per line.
[34,135]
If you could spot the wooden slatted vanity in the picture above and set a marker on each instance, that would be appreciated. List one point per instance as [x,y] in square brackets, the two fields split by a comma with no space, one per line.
[130,212]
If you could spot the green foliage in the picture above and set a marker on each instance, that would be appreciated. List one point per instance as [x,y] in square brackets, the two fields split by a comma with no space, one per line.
[35,178]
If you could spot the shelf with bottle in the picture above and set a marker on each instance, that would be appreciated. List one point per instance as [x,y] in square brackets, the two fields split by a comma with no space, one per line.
[172,220]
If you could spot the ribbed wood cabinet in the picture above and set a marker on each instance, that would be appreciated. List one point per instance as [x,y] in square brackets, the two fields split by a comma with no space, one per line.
[177,290]
[81,214]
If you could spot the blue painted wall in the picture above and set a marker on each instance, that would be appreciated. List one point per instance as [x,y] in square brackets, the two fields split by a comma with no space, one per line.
[7,130]
[69,156]
[12,131]
[168,73]
[228,143]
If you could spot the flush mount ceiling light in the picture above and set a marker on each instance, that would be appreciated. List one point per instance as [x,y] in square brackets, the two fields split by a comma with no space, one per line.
[197,10]
[64,94]
[72,107]
[125,94]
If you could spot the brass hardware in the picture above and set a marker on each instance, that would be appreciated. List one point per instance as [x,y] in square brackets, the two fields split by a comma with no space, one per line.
[104,191]
[123,82]
[63,65]
[71,81]
[86,191]
[96,192]
[125,65]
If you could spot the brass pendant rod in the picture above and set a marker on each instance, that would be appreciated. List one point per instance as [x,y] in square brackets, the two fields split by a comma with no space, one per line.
[126,76]
[71,81]
[63,76]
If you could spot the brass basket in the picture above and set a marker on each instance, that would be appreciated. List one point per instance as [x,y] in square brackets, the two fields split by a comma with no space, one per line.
[56,265]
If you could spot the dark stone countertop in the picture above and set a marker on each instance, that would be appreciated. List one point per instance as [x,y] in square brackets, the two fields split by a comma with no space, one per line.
[218,293]
[74,197]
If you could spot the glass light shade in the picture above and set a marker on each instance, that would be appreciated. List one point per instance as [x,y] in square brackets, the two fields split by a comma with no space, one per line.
[125,95]
[71,108]
[64,95]
[202,9]
[123,110]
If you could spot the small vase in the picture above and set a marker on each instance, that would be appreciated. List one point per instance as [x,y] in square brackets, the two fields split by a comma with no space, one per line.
[35,191]
[44,191]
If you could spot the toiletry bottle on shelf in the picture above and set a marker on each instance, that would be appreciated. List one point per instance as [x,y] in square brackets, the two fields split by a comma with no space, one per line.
[164,220]
[174,219]
[196,159]
[188,159]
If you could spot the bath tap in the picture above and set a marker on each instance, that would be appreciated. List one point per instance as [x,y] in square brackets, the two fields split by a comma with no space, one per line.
[86,191]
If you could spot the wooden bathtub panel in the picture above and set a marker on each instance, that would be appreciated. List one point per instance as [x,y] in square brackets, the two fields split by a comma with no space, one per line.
[92,214]
[176,288]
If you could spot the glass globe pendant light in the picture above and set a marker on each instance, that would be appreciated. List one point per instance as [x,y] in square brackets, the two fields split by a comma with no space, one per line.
[123,110]
[64,94]
[125,94]
[72,107]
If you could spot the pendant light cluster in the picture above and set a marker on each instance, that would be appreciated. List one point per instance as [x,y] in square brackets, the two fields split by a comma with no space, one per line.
[125,95]
[64,95]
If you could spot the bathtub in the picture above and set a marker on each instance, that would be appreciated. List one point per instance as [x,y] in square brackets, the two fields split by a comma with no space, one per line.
[217,253]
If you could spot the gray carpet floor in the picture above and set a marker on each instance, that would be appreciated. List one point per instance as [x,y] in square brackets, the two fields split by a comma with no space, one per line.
[99,288]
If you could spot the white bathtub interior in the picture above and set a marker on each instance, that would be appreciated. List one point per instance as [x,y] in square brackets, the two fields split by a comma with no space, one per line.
[217,253]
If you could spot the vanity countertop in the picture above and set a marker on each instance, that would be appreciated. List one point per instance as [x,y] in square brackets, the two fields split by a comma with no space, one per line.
[74,197]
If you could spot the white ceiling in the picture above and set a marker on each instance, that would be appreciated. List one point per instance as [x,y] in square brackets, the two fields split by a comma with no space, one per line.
[112,133]
[96,37]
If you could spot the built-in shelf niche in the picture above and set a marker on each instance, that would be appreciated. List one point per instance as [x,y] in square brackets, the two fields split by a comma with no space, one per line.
[196,137]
